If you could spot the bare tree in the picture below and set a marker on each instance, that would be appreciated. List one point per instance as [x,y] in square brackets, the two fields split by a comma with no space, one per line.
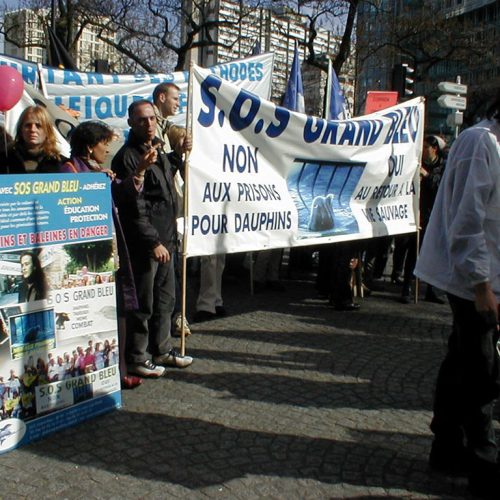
[157,35]
[338,16]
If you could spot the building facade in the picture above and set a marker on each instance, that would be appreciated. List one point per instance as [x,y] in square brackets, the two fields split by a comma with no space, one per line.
[473,24]
[25,27]
[276,31]
[28,28]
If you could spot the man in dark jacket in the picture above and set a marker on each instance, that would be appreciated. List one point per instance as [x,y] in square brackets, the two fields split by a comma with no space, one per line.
[150,230]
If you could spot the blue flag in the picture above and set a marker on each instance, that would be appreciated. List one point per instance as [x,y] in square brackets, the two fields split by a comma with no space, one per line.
[294,95]
[336,108]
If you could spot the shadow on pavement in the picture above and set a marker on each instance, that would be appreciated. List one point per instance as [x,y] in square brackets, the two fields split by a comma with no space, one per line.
[197,454]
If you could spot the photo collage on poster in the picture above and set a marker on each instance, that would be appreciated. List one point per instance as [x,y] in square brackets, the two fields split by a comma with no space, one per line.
[58,333]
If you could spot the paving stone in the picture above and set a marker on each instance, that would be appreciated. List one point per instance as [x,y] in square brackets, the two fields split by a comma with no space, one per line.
[287,398]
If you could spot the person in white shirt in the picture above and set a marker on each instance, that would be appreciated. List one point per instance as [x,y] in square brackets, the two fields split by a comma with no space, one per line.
[461,255]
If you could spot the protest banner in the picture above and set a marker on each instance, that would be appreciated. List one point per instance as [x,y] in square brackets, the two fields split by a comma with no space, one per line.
[264,177]
[58,333]
[106,97]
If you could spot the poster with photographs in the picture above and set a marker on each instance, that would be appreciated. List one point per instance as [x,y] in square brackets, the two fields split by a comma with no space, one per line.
[58,324]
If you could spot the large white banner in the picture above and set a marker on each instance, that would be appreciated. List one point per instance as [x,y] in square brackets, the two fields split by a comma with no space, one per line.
[106,97]
[264,177]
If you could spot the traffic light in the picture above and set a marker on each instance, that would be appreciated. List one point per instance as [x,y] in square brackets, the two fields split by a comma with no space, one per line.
[403,80]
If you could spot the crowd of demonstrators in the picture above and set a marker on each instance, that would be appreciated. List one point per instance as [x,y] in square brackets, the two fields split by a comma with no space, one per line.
[144,193]
[18,394]
[460,254]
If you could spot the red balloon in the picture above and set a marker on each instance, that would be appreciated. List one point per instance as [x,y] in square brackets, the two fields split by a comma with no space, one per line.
[11,87]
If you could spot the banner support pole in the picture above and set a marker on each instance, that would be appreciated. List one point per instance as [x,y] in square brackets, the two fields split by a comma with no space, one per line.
[417,239]
[417,281]
[189,129]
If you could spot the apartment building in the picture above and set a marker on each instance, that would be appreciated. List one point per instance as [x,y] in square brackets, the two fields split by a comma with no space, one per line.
[25,27]
[28,28]
[276,30]
[480,21]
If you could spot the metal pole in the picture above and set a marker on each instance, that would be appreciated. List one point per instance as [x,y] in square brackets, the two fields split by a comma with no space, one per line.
[53,15]
[189,127]
[457,127]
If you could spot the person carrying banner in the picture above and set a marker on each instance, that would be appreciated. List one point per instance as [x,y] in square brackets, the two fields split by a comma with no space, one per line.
[209,304]
[166,104]
[35,147]
[460,255]
[177,142]
[149,223]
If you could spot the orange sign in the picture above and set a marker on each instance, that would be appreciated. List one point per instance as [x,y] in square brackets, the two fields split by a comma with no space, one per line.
[377,100]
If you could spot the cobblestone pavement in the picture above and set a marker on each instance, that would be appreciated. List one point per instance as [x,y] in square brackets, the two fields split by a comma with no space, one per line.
[286,399]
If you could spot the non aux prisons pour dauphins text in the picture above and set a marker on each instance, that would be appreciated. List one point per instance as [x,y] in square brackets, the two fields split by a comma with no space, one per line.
[238,159]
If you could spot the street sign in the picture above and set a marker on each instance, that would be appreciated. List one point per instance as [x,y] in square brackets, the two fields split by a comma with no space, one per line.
[452,88]
[452,101]
[455,119]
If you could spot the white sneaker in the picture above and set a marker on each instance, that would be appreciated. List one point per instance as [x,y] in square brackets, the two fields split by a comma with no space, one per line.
[146,369]
[173,358]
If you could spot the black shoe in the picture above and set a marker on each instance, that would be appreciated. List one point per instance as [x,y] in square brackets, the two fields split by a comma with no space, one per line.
[202,316]
[220,311]
[348,306]
[453,461]
[396,280]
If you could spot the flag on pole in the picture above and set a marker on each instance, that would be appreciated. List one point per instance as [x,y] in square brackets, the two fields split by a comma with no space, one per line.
[59,57]
[294,95]
[336,108]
